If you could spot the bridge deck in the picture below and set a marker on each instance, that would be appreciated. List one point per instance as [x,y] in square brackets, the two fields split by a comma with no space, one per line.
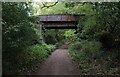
[60,20]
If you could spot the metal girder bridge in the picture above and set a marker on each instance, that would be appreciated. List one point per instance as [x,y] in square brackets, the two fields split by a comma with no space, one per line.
[59,21]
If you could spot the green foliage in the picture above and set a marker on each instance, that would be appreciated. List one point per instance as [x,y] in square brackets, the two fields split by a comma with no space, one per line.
[69,8]
[85,52]
[18,27]
[28,60]
[50,47]
[109,18]
[101,23]
[69,33]
[54,36]
[19,31]
[88,48]
[70,36]
[58,9]
[51,36]
[92,59]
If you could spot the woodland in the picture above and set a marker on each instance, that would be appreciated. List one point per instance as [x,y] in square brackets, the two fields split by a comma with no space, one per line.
[94,45]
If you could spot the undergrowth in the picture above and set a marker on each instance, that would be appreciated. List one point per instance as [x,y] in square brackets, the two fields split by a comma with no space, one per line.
[92,59]
[27,60]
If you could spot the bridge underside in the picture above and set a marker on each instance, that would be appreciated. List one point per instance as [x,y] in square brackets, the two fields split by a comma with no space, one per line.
[60,25]
[60,21]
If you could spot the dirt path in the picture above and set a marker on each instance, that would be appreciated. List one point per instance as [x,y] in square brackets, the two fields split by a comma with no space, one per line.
[58,63]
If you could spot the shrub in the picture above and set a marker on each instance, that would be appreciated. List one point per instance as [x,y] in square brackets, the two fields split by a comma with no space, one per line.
[88,48]
[28,60]
[50,47]
[85,52]
[93,60]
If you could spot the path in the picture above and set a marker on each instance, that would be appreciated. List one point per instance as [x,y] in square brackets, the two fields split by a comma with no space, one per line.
[58,63]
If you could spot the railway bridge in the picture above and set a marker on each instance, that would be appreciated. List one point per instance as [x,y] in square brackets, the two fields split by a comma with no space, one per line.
[59,21]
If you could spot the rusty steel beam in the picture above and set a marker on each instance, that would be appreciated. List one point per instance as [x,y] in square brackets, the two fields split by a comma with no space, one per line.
[60,21]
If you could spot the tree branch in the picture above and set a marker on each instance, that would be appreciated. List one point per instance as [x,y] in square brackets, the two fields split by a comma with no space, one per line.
[48,5]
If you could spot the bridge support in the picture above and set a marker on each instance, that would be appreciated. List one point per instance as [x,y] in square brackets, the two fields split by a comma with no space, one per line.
[42,32]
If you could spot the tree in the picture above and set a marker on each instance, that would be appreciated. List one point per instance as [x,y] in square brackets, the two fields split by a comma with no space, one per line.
[18,33]
[18,28]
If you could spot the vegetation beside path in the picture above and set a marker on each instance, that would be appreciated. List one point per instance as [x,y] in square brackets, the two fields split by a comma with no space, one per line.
[94,45]
[22,49]
[92,59]
[26,61]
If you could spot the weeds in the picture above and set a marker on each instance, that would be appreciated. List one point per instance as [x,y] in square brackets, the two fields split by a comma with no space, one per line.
[93,60]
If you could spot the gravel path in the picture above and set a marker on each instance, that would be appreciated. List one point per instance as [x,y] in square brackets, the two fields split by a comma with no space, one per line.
[58,63]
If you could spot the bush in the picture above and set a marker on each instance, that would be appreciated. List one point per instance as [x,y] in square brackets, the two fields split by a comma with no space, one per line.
[70,36]
[88,48]
[85,52]
[28,60]
[93,60]
[50,47]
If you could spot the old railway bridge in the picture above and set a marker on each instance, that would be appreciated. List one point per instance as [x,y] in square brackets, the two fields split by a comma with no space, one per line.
[59,21]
